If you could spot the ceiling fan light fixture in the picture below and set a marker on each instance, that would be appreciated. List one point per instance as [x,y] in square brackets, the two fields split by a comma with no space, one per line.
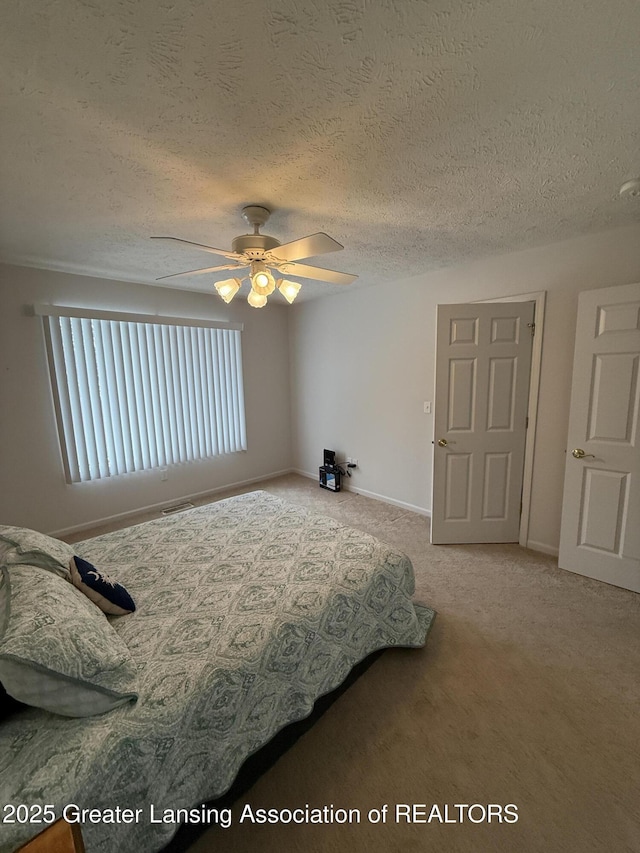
[256,300]
[265,257]
[261,279]
[228,288]
[289,289]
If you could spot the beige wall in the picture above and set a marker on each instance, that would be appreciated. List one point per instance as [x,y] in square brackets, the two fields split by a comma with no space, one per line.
[363,364]
[33,492]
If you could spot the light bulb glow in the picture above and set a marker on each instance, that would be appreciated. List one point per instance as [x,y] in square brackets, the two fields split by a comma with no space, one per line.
[256,300]
[261,279]
[289,289]
[228,288]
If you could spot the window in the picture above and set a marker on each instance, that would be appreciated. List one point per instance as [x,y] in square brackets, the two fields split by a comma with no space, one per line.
[134,392]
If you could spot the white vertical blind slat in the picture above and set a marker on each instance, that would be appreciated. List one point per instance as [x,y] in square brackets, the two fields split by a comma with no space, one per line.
[217,393]
[147,400]
[58,329]
[200,387]
[197,393]
[239,391]
[123,426]
[206,395]
[211,400]
[104,396]
[224,394]
[163,425]
[234,390]
[77,394]
[92,409]
[165,380]
[225,364]
[190,402]
[132,378]
[117,461]
[176,387]
[138,357]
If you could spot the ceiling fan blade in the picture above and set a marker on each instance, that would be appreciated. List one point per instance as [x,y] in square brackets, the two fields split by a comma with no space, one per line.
[305,247]
[202,271]
[210,249]
[320,274]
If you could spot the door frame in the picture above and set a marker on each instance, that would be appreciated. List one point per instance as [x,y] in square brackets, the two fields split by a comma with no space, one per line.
[540,299]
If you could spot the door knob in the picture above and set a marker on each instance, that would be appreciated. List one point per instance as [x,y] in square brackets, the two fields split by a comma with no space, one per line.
[442,442]
[579,453]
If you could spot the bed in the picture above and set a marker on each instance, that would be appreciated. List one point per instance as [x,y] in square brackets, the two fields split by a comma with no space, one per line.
[248,610]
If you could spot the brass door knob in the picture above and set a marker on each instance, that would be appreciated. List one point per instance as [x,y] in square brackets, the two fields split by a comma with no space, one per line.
[579,453]
[442,442]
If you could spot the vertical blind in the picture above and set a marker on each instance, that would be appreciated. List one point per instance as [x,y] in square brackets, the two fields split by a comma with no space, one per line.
[133,395]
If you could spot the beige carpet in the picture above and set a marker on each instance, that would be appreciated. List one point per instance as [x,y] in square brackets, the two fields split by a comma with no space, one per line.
[527,693]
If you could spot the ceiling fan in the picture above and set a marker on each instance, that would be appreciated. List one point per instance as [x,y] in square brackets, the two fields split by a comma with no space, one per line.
[268,261]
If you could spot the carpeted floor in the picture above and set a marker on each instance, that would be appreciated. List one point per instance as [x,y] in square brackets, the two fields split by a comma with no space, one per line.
[527,693]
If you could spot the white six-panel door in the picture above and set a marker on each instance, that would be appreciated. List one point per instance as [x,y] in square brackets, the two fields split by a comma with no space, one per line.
[483,362]
[600,533]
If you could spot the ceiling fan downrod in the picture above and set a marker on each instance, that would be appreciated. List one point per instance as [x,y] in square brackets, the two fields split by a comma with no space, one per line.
[254,245]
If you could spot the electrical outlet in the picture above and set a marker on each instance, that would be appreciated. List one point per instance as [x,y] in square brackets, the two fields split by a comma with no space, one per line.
[164,473]
[349,460]
[354,462]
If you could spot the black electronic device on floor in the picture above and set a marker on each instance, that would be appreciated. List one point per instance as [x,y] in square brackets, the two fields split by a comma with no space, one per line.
[330,474]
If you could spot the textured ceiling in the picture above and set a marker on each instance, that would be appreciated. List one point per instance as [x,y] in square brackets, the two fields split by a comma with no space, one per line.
[418,134]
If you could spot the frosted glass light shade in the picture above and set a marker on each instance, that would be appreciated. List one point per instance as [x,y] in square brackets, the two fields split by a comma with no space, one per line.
[261,279]
[228,288]
[256,300]
[289,289]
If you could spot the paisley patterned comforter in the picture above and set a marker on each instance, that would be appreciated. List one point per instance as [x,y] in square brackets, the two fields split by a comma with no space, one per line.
[248,610]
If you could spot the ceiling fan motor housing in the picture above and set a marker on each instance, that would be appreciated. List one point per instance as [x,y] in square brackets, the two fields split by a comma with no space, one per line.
[254,245]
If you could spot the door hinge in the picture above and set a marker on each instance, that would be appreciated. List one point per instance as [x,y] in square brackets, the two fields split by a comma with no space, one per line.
[526,422]
[532,326]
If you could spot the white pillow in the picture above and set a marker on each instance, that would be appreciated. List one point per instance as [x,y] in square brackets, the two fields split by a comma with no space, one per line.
[57,650]
[25,546]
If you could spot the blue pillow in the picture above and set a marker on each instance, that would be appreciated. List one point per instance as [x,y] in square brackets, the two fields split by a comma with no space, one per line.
[109,595]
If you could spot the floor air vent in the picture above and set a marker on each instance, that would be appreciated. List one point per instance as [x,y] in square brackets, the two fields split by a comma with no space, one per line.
[177,508]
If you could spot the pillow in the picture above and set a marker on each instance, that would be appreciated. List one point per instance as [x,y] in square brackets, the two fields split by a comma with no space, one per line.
[110,596]
[22,545]
[8,705]
[57,651]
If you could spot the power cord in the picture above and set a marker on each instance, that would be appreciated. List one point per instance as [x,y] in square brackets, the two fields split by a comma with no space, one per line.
[345,470]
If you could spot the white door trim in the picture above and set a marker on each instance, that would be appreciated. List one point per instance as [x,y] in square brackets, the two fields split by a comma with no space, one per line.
[540,298]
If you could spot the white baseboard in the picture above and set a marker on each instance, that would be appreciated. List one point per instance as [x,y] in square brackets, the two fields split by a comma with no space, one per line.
[542,547]
[305,473]
[108,519]
[387,500]
[349,487]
